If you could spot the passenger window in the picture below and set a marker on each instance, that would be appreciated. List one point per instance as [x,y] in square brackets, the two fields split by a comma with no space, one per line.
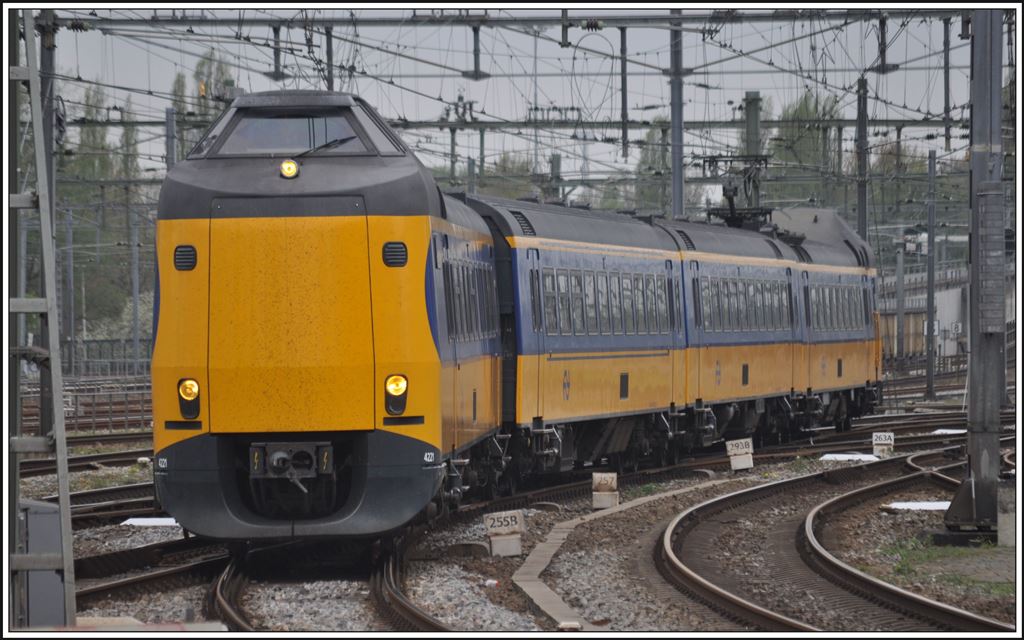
[758,291]
[550,303]
[716,305]
[847,308]
[449,298]
[753,306]
[739,312]
[653,317]
[488,300]
[823,300]
[590,298]
[474,300]
[638,300]
[740,305]
[460,298]
[576,284]
[858,310]
[775,304]
[787,314]
[727,305]
[807,306]
[671,287]
[705,305]
[699,312]
[837,316]
[615,299]
[768,315]
[851,296]
[815,307]
[564,304]
[834,300]
[602,303]
[823,306]
[627,304]
[830,308]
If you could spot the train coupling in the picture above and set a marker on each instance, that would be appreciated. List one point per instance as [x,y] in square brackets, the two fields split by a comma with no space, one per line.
[290,461]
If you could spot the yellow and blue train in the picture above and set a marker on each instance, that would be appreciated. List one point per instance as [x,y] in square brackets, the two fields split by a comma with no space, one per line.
[340,347]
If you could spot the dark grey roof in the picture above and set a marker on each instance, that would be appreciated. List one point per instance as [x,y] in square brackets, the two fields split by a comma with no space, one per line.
[714,238]
[292,98]
[829,239]
[519,218]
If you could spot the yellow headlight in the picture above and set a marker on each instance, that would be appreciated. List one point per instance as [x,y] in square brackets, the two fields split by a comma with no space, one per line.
[396,385]
[289,169]
[188,389]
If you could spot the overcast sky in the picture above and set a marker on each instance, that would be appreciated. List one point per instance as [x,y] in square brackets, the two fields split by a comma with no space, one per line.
[144,57]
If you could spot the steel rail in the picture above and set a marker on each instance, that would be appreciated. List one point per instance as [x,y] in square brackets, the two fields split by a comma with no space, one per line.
[817,556]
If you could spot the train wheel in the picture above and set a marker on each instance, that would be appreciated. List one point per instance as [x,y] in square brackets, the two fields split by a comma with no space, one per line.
[625,462]
[842,420]
[666,455]
[507,484]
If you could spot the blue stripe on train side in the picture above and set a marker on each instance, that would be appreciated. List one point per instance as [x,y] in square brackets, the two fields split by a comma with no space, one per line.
[431,295]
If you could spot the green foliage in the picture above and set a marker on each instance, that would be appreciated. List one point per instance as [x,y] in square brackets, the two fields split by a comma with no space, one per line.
[119,325]
[129,160]
[178,90]
[653,177]
[612,197]
[911,555]
[510,178]
[798,150]
[653,171]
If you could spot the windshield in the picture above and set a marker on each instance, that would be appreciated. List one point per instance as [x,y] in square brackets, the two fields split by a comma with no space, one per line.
[279,133]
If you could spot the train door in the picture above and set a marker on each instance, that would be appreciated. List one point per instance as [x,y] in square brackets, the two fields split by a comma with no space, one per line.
[676,328]
[694,340]
[450,365]
[803,363]
[531,302]
[792,317]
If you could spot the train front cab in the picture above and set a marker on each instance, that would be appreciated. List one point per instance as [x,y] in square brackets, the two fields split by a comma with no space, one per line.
[297,306]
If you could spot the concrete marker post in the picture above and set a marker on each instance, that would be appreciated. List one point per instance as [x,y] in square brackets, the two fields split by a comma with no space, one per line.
[504,532]
[605,490]
[741,454]
[882,443]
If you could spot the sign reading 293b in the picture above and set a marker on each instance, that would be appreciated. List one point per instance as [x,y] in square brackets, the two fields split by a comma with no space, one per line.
[739,447]
[504,522]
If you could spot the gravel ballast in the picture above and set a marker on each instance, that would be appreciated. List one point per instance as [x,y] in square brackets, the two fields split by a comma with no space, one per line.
[322,605]
[97,540]
[38,487]
[887,545]
[183,604]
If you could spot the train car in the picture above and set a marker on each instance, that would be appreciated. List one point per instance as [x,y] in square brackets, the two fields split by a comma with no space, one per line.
[308,369]
[342,348]
[630,337]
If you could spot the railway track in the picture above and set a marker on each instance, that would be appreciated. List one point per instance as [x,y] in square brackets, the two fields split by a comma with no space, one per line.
[48,466]
[926,417]
[817,549]
[152,568]
[384,582]
[695,555]
[115,437]
[100,506]
[194,560]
